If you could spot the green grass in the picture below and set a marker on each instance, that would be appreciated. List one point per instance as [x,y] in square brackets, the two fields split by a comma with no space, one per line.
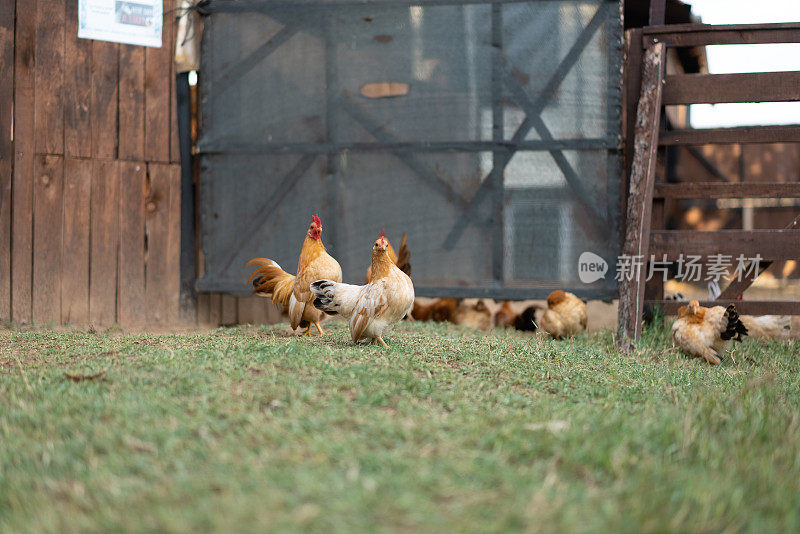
[247,429]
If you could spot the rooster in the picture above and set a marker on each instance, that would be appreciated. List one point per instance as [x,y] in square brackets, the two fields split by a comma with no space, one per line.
[506,317]
[401,259]
[292,293]
[707,332]
[372,309]
[565,315]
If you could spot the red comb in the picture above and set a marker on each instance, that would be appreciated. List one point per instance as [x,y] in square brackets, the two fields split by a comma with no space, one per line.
[383,232]
[315,219]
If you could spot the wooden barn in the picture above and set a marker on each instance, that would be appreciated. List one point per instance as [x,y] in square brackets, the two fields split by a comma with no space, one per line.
[106,217]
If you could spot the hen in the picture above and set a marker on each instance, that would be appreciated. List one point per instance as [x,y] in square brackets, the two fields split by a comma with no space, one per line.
[292,293]
[473,315]
[506,317]
[767,326]
[402,259]
[439,310]
[707,332]
[565,315]
[372,309]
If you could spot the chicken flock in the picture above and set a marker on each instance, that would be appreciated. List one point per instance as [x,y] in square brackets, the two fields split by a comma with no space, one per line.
[387,297]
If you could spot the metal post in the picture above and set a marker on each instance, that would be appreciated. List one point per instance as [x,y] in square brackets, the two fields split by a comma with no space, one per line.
[188,274]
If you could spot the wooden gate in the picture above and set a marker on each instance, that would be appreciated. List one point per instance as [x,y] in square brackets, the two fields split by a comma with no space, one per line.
[648,89]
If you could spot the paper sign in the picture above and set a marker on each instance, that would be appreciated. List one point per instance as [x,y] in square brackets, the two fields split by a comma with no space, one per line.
[136,22]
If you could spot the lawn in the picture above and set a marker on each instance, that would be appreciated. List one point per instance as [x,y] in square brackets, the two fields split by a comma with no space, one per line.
[250,429]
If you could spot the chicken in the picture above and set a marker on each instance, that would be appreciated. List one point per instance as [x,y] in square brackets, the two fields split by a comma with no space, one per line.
[372,309]
[401,259]
[767,326]
[439,310]
[707,332]
[292,293]
[565,315]
[506,317]
[473,315]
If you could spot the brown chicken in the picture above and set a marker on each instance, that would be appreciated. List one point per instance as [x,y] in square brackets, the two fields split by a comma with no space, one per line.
[401,259]
[707,332]
[473,315]
[565,315]
[372,309]
[292,293]
[454,311]
[439,310]
[506,317]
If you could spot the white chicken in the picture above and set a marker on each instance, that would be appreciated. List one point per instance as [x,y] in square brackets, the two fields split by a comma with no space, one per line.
[372,309]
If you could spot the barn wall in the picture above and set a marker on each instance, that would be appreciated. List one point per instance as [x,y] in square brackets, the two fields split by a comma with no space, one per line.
[89,221]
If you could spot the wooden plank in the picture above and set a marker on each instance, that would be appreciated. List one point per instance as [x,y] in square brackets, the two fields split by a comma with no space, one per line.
[727,190]
[48,198]
[104,108]
[654,288]
[737,287]
[215,309]
[744,307]
[253,310]
[719,28]
[131,300]
[77,87]
[773,245]
[48,73]
[657,12]
[742,134]
[640,201]
[228,313]
[22,186]
[131,103]
[104,242]
[157,101]
[162,223]
[704,34]
[174,244]
[631,88]
[721,88]
[203,309]
[171,25]
[7,13]
[75,251]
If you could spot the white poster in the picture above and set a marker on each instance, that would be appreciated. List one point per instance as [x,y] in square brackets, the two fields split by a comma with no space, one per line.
[136,22]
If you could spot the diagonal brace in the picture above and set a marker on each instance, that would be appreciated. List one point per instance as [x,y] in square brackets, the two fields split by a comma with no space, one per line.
[265,210]
[380,133]
[227,78]
[495,176]
[572,178]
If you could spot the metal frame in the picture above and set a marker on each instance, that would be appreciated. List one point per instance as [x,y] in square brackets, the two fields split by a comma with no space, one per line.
[502,149]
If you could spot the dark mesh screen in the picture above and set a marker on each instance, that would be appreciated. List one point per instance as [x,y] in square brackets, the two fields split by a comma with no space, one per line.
[496,150]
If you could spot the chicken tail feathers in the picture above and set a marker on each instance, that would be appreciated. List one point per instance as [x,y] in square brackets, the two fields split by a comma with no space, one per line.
[735,329]
[324,296]
[404,256]
[269,280]
[526,321]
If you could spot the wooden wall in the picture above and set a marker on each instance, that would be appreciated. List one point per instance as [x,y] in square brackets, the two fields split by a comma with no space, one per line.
[89,221]
[90,179]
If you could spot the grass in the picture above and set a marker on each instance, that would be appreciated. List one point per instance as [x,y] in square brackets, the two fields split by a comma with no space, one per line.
[248,429]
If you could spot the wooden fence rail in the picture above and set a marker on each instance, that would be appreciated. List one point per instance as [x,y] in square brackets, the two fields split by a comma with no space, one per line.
[644,95]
